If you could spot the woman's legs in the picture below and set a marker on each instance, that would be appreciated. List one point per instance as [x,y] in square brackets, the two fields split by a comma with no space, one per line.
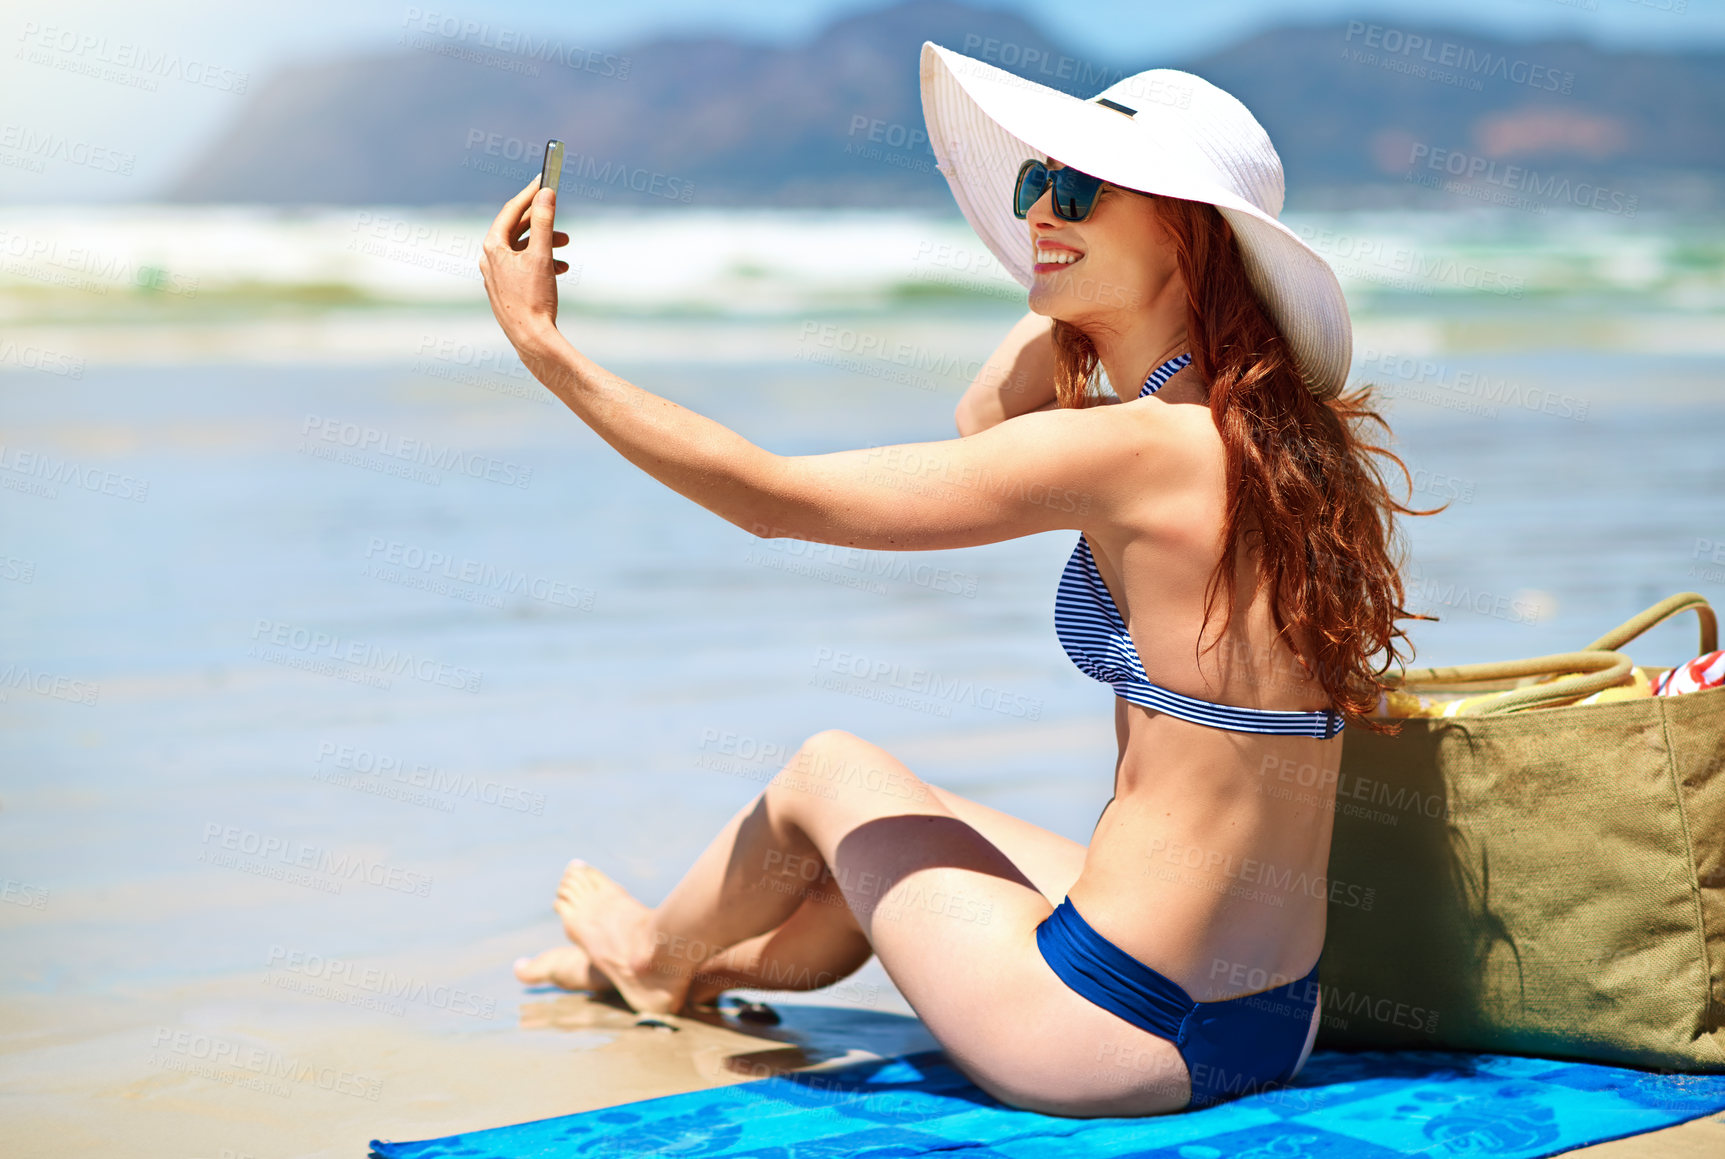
[727,897]
[818,945]
[821,942]
[742,891]
[951,916]
[1050,861]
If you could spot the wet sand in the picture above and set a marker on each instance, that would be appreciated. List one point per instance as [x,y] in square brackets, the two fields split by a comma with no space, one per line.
[234,1066]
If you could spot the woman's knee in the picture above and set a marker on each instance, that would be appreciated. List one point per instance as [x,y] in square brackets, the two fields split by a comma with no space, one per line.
[800,776]
[835,767]
[850,764]
[828,749]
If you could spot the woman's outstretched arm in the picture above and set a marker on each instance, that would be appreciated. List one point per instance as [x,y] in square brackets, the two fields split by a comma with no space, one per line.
[1049,470]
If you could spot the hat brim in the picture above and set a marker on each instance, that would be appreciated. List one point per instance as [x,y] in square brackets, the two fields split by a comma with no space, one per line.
[984,122]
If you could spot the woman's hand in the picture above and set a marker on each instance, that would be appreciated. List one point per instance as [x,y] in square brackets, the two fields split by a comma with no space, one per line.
[521,276]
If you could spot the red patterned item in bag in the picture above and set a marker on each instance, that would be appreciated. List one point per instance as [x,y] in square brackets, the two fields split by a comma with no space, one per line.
[1699,674]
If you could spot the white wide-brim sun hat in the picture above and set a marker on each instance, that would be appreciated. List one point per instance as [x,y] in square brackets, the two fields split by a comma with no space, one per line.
[1163,131]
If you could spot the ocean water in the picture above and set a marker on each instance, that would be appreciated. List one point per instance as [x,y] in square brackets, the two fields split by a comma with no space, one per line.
[324,628]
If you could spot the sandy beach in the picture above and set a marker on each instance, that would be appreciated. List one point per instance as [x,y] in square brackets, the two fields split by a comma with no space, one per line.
[237,1065]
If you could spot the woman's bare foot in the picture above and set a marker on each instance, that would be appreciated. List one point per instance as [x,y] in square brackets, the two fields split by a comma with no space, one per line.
[565,966]
[616,932]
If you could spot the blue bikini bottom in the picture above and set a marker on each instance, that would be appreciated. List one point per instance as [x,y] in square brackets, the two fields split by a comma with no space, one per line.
[1232,1048]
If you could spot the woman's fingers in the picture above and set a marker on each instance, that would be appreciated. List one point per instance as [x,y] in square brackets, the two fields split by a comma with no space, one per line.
[544,207]
[512,218]
[516,241]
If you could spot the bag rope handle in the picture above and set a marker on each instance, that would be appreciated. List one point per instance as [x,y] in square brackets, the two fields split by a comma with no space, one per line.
[1599,667]
[1596,671]
[1658,614]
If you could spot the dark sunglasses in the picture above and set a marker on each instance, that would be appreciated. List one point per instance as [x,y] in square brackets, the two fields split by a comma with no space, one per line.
[1074,191]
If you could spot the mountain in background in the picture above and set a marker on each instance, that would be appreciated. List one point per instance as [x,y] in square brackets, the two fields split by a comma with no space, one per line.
[1354,109]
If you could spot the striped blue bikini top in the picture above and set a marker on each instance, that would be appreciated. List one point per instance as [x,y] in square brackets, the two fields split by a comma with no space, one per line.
[1095,637]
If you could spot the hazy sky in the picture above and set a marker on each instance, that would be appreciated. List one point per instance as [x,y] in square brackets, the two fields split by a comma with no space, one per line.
[131,139]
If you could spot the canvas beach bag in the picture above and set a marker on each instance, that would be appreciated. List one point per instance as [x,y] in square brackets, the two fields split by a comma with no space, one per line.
[1529,879]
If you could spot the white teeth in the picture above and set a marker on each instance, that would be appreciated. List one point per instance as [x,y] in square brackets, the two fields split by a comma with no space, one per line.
[1061,257]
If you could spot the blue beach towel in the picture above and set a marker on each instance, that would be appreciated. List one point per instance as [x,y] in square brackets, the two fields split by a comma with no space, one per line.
[1354,1105]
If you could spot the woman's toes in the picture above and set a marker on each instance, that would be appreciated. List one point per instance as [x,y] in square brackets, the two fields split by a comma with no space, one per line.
[564,966]
[585,892]
[578,882]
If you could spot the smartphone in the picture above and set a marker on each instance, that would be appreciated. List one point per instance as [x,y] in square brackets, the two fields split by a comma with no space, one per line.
[553,170]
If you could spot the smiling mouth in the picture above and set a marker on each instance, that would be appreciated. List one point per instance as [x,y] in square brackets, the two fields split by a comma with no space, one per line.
[1047,260]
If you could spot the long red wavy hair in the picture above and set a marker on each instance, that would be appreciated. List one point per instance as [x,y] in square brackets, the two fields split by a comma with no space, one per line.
[1304,485]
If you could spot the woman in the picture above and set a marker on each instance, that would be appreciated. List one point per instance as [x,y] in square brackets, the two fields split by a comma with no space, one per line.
[1173,961]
